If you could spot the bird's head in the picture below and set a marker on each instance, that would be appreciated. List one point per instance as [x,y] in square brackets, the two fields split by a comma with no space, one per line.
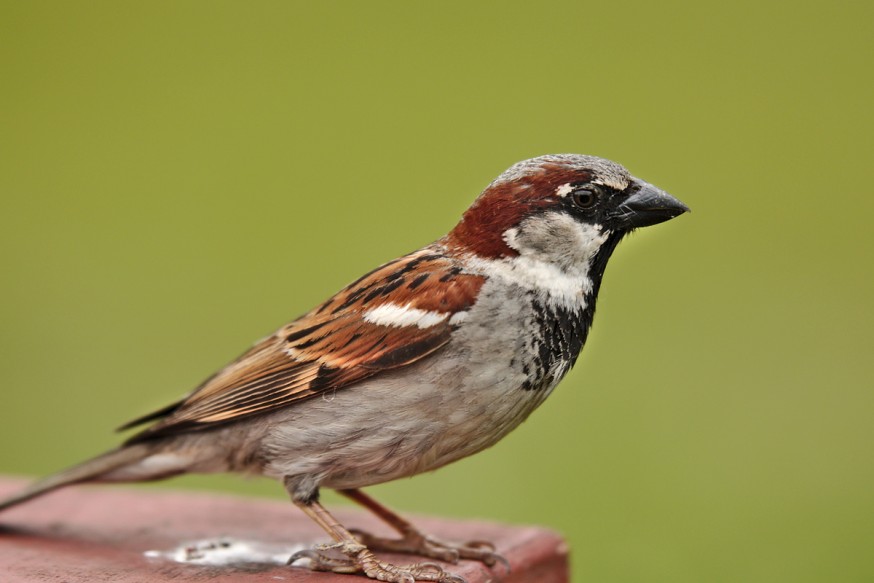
[562,209]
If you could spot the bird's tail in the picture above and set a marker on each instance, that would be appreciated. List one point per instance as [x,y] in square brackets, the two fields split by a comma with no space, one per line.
[88,471]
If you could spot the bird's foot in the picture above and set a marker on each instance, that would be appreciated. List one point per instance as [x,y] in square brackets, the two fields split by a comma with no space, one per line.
[350,557]
[415,543]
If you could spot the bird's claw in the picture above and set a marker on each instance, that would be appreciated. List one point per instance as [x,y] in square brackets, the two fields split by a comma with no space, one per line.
[350,557]
[416,543]
[334,557]
[485,552]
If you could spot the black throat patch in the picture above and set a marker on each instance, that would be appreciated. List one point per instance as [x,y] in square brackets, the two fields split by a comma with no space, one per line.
[560,336]
[562,332]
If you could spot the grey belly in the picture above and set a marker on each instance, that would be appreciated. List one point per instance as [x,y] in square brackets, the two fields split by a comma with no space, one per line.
[410,421]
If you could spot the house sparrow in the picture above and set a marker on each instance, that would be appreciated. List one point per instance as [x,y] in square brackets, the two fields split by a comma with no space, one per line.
[427,359]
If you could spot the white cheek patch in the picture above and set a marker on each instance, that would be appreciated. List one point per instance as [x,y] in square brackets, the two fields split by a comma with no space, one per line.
[590,238]
[559,239]
[400,316]
[555,252]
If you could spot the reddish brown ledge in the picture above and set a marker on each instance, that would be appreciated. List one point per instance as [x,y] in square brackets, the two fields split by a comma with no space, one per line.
[104,533]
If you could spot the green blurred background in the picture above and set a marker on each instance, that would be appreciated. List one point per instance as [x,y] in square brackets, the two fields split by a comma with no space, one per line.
[180,178]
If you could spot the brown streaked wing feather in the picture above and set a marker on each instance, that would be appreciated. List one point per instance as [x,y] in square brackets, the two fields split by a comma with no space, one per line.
[332,346]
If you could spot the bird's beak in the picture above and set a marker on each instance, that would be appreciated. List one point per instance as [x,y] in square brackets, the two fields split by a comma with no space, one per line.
[649,205]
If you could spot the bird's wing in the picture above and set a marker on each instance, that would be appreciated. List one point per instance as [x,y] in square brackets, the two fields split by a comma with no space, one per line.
[389,318]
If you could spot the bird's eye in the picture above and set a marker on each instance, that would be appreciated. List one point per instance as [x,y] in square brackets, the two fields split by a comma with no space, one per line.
[584,198]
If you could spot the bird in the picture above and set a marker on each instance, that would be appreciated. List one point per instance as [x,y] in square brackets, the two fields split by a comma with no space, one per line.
[427,359]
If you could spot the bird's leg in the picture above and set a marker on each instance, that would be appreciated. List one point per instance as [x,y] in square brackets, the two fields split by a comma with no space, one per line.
[348,555]
[415,542]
